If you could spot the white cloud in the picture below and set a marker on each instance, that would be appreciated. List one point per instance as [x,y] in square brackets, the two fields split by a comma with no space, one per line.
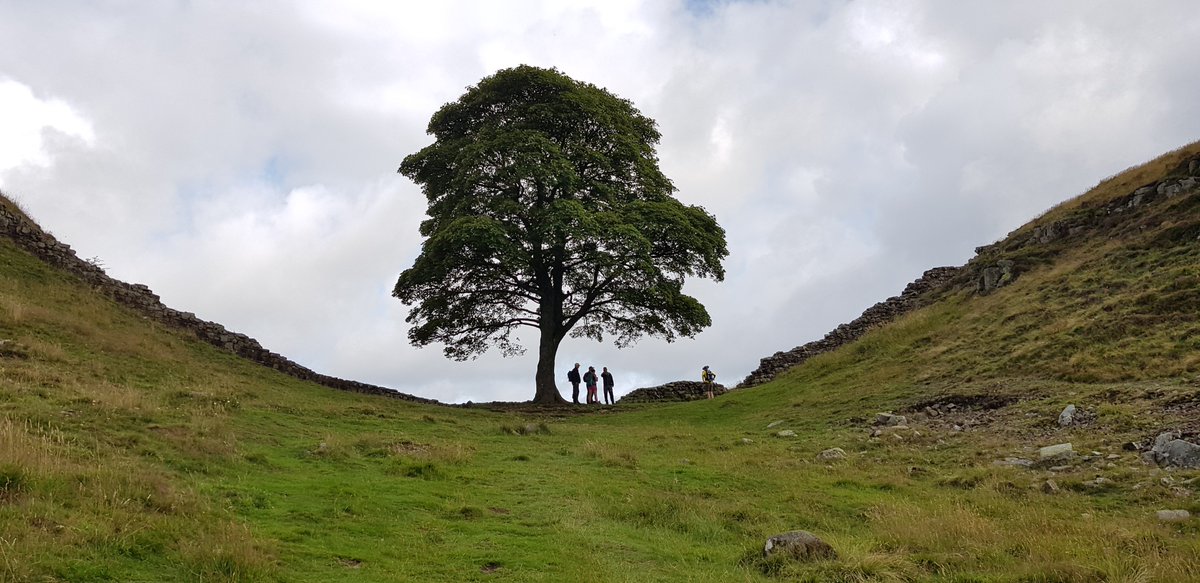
[28,123]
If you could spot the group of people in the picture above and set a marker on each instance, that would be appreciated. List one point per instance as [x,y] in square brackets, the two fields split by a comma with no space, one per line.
[590,380]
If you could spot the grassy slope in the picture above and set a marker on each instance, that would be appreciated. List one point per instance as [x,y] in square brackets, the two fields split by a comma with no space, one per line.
[129,453]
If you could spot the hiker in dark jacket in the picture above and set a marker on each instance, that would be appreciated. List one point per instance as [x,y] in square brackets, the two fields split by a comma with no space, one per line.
[608,387]
[573,377]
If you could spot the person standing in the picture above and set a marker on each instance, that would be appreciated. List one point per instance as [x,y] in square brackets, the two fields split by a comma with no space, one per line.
[708,377]
[589,379]
[573,377]
[608,387]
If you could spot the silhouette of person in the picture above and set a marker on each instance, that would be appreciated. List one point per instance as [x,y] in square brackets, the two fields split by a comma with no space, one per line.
[608,387]
[573,377]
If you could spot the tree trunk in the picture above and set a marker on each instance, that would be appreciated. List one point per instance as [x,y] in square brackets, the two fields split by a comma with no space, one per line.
[547,390]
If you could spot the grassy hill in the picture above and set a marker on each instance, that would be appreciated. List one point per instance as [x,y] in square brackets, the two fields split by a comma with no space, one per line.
[133,452]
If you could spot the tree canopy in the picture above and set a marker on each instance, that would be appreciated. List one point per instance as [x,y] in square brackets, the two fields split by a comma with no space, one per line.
[547,210]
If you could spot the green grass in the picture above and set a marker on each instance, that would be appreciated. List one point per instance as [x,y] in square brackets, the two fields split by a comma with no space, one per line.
[133,453]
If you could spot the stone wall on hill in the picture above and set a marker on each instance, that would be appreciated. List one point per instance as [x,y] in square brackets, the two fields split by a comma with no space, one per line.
[914,296]
[999,264]
[675,391]
[30,237]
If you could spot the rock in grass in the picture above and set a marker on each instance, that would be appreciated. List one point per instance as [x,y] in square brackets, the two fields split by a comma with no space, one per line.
[1050,487]
[890,420]
[786,433]
[1169,450]
[799,545]
[1067,416]
[774,424]
[1013,462]
[833,453]
[1173,515]
[1057,452]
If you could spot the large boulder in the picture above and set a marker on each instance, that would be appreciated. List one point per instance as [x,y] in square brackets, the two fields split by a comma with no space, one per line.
[799,545]
[1170,450]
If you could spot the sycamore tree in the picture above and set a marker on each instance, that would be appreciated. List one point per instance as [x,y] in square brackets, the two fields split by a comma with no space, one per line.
[548,211]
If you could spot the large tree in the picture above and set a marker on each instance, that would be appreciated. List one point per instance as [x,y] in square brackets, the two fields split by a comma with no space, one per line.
[547,210]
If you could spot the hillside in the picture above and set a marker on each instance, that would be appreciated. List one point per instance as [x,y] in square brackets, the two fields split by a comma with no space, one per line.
[131,450]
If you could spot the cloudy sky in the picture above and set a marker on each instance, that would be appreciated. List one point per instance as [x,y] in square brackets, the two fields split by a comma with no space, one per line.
[240,157]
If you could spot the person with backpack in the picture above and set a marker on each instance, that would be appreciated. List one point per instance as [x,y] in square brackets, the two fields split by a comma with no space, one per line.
[608,387]
[589,379]
[573,378]
[708,376]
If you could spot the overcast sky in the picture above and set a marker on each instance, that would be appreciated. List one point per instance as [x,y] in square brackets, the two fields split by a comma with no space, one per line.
[240,157]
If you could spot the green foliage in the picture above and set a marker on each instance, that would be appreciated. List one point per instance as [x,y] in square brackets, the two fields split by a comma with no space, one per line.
[547,209]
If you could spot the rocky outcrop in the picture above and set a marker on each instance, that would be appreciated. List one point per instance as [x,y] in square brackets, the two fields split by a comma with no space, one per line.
[914,296]
[1001,263]
[676,391]
[30,237]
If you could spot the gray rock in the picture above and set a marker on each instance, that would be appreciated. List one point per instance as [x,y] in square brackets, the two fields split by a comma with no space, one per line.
[1067,416]
[786,433]
[1050,487]
[1173,515]
[1162,439]
[1013,462]
[798,545]
[890,420]
[774,424]
[1170,450]
[1177,453]
[1061,451]
[1001,273]
[833,453]
[1060,468]
[1096,483]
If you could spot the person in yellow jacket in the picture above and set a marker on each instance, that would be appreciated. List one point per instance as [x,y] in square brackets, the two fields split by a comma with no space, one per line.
[708,376]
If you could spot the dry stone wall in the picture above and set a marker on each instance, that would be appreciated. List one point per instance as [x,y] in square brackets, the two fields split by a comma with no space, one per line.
[1001,263]
[30,237]
[675,391]
[914,296]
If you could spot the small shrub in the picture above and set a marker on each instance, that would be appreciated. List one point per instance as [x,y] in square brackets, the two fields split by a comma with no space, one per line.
[13,481]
